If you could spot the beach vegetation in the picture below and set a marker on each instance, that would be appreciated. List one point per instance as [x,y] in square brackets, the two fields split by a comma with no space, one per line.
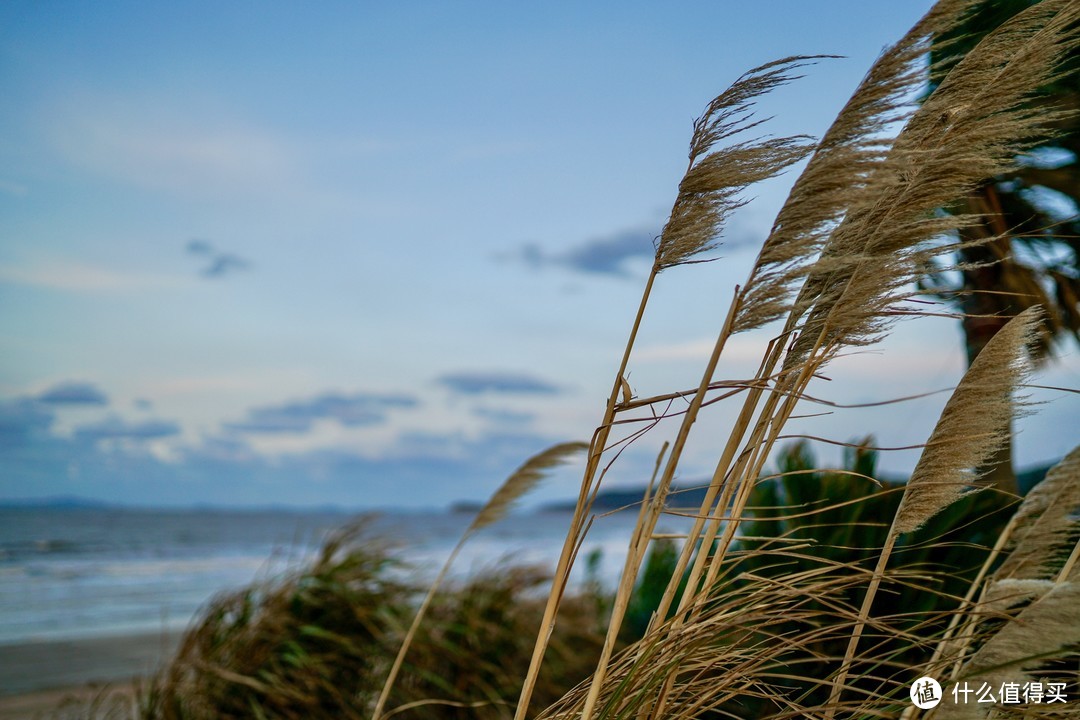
[795,592]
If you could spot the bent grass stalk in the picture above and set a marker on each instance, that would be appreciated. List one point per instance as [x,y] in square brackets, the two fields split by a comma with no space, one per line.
[519,483]
[708,193]
[973,425]
[871,233]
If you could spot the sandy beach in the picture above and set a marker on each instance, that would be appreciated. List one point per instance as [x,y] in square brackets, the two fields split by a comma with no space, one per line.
[35,677]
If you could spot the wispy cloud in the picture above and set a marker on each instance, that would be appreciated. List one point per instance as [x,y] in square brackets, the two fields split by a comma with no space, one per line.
[496,382]
[80,277]
[608,255]
[73,393]
[419,470]
[502,417]
[20,417]
[115,428]
[201,146]
[12,188]
[356,410]
[218,264]
[149,141]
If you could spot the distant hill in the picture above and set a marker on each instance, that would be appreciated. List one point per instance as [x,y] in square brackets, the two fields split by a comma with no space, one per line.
[616,498]
[685,496]
[692,496]
[58,502]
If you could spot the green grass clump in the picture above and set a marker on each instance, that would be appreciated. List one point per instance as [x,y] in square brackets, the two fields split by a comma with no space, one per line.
[320,642]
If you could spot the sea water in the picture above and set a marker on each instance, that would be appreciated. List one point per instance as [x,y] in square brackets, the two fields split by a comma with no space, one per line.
[80,572]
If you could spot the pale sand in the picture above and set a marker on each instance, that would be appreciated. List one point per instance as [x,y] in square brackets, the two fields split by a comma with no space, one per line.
[36,676]
[56,704]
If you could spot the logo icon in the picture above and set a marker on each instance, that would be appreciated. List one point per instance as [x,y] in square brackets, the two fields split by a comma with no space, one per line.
[925,693]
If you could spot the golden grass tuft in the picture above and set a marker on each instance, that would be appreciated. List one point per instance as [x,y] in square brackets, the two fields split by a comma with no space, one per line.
[975,422]
[842,177]
[1046,523]
[522,480]
[710,191]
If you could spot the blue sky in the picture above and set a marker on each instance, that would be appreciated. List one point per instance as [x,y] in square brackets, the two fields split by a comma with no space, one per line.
[379,254]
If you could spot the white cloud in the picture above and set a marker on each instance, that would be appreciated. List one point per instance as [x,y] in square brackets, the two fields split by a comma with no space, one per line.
[133,145]
[81,277]
[198,147]
[907,353]
[12,188]
[743,348]
[698,349]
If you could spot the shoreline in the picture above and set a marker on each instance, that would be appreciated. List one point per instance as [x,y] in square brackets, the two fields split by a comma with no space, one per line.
[36,676]
[59,702]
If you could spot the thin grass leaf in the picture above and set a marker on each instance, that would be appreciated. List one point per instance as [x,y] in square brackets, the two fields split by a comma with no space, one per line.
[521,481]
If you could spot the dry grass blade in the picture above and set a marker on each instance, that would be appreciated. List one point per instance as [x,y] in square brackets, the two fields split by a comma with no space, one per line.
[1044,522]
[752,653]
[714,180]
[975,421]
[520,482]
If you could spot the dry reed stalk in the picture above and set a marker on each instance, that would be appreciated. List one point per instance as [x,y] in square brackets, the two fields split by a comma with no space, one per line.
[648,525]
[709,191]
[520,482]
[837,181]
[1043,522]
[654,500]
[973,425]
